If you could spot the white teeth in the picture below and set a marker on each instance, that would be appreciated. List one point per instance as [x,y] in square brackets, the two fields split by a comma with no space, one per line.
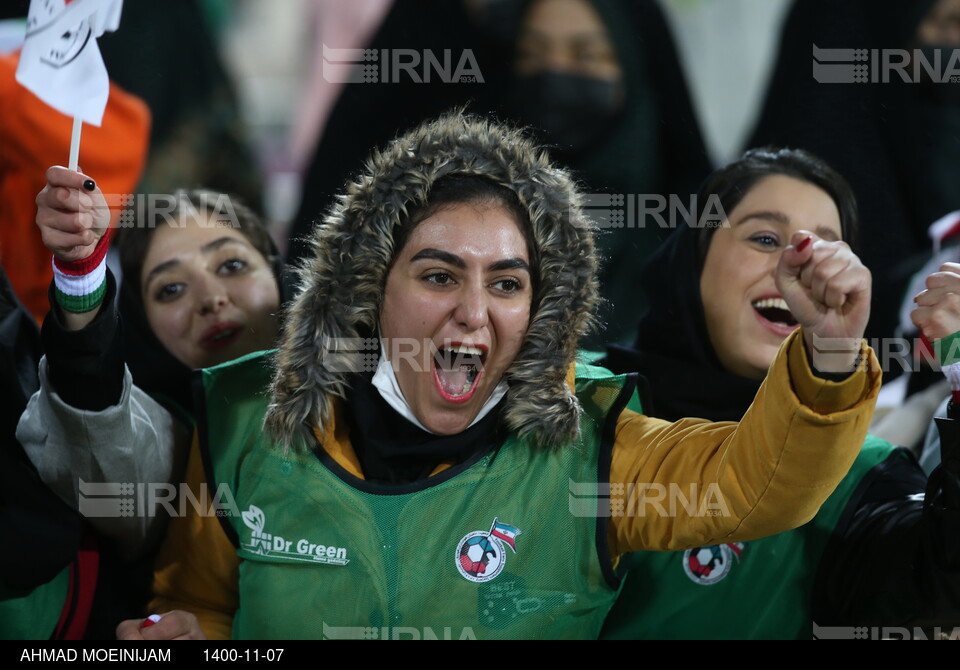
[465,350]
[767,303]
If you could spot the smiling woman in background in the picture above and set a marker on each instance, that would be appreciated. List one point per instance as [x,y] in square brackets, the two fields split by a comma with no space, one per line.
[200,287]
[874,554]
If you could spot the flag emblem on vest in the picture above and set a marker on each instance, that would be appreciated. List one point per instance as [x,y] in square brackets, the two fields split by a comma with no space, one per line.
[708,565]
[481,554]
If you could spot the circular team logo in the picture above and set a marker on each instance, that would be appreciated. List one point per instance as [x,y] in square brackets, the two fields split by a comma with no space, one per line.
[69,42]
[708,565]
[480,556]
[68,46]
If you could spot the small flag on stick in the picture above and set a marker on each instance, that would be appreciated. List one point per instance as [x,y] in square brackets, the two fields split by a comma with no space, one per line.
[60,62]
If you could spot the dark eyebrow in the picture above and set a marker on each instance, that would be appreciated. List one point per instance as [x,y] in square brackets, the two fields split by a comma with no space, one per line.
[776,217]
[509,264]
[437,255]
[457,262]
[210,247]
[207,248]
[781,218]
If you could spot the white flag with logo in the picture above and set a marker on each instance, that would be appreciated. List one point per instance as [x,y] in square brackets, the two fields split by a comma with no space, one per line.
[60,61]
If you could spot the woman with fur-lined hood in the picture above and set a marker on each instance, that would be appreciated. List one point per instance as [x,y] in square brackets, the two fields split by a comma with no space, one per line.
[425,457]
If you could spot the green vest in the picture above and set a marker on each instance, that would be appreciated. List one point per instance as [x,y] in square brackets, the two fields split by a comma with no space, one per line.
[33,615]
[492,548]
[753,590]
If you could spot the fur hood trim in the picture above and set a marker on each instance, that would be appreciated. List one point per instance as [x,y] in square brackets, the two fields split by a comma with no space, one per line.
[340,287]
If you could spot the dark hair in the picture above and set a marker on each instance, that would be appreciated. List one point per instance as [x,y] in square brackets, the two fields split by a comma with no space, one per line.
[459,188]
[732,182]
[134,242]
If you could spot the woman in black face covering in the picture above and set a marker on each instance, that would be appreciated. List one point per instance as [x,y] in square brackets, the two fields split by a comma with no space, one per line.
[598,82]
[569,80]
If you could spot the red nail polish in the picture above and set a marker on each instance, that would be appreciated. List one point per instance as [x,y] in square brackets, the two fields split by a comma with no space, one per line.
[806,243]
[149,621]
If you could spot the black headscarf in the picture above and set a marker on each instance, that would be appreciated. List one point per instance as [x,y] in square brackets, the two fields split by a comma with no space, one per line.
[856,128]
[673,350]
[653,146]
[153,368]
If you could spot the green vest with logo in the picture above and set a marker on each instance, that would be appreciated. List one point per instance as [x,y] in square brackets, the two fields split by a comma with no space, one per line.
[496,547]
[752,590]
[33,615]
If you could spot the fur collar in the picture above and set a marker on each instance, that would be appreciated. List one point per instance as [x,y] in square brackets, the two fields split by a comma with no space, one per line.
[340,286]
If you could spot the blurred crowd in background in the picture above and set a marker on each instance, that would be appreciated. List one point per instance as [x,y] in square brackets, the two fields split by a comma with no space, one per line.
[641,98]
[280,103]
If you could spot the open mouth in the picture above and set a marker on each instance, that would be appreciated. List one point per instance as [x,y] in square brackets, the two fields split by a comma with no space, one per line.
[457,371]
[775,311]
[222,337]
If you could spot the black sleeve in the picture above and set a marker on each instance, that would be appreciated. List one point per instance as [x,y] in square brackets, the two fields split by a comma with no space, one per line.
[86,366]
[41,533]
[894,556]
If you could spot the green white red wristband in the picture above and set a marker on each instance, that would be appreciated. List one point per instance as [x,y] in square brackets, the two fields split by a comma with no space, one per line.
[947,351]
[81,285]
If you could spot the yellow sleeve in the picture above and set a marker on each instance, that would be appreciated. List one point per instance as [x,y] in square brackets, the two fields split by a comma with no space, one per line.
[197,568]
[694,482]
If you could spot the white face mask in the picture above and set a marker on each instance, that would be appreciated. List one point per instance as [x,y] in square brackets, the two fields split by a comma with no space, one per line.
[385,381]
